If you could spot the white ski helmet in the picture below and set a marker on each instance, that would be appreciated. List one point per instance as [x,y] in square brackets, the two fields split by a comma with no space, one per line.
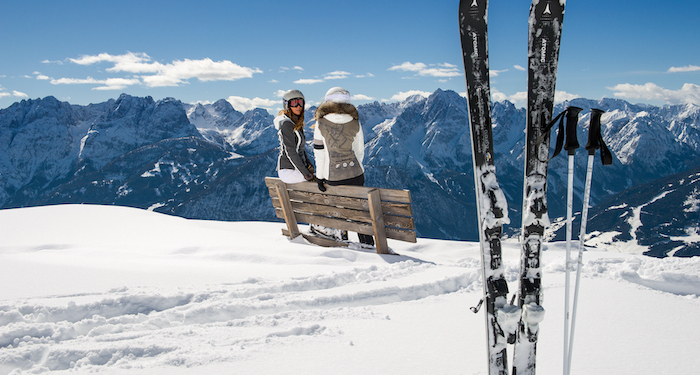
[291,94]
[337,95]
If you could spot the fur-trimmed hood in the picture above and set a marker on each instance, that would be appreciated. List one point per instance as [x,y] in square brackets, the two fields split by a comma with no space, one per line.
[340,108]
[280,119]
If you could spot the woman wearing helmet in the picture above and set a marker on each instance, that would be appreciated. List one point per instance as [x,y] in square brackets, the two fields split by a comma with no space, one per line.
[339,144]
[293,164]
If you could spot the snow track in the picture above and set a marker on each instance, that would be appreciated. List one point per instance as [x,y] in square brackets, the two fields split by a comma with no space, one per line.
[116,291]
[125,324]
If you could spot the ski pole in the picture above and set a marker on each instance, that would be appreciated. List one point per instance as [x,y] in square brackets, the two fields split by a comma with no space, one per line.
[571,146]
[594,143]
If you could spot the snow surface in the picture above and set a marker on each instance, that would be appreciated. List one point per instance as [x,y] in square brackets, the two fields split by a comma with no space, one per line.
[115,290]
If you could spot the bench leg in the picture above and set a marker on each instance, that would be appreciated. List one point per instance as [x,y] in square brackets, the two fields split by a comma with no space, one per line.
[375,210]
[287,210]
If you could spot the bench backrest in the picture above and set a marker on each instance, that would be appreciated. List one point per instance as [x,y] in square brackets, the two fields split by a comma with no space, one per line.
[358,209]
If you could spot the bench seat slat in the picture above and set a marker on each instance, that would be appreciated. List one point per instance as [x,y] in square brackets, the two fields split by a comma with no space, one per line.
[403,222]
[393,195]
[352,226]
[389,208]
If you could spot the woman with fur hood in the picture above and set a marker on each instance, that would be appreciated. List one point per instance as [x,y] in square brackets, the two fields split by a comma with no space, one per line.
[339,144]
[293,165]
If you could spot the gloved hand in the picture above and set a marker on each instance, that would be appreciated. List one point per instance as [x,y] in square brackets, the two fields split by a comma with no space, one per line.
[320,184]
[311,168]
[309,177]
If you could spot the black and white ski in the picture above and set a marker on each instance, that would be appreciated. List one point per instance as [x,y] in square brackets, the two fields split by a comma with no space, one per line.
[501,318]
[545,25]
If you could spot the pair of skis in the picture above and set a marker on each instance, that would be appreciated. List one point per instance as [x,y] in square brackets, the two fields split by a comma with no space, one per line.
[507,323]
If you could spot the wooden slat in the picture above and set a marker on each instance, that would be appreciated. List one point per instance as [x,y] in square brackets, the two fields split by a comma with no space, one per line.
[403,222]
[287,210]
[375,209]
[394,195]
[327,199]
[395,208]
[364,228]
[389,208]
[332,211]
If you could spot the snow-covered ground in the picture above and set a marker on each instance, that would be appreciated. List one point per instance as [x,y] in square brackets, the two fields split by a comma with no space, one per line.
[114,290]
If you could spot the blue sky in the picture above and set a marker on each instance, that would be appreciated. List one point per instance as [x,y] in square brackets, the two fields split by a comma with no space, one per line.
[249,51]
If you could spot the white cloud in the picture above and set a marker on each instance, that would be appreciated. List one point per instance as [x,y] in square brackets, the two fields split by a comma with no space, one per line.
[108,84]
[283,69]
[362,97]
[338,74]
[496,96]
[562,96]
[409,67]
[204,70]
[401,96]
[15,93]
[40,76]
[689,93]
[117,83]
[245,104]
[520,68]
[171,74]
[495,73]
[309,81]
[364,75]
[47,61]
[519,97]
[440,72]
[434,70]
[688,68]
[129,62]
[75,81]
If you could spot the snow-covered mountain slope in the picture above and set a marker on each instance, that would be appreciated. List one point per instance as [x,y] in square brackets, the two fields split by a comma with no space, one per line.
[209,161]
[660,219]
[90,289]
[130,123]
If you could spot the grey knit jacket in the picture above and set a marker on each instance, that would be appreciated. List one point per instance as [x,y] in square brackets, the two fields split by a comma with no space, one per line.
[292,146]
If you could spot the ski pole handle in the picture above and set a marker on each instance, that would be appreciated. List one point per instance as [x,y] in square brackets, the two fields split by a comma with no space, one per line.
[594,131]
[595,138]
[571,123]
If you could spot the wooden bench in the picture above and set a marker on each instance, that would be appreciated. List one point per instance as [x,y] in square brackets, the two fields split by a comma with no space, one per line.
[382,213]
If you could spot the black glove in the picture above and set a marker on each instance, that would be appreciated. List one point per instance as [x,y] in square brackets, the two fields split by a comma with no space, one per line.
[310,167]
[320,184]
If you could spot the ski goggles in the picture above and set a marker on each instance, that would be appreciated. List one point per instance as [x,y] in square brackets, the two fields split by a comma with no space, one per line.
[298,102]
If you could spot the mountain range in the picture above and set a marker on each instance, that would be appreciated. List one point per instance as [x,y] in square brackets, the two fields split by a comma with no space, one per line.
[208,161]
